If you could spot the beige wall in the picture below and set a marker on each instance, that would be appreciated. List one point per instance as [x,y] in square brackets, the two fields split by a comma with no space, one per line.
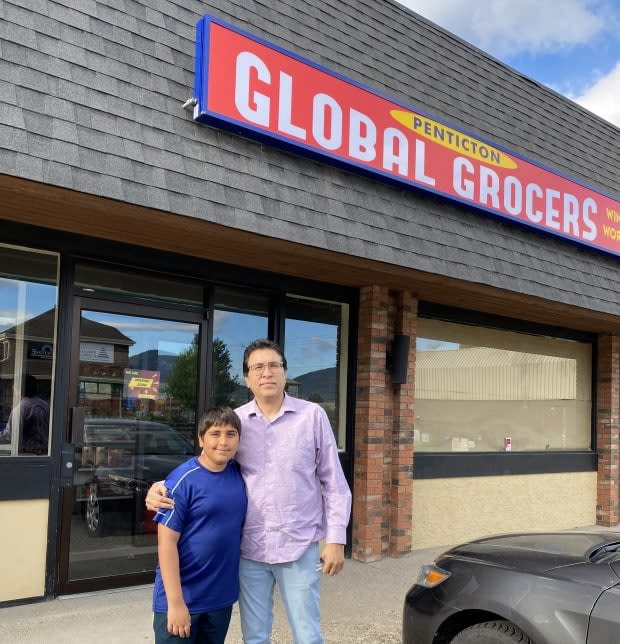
[450,511]
[23,548]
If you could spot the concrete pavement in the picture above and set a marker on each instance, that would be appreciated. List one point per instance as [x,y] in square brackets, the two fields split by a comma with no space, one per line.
[361,605]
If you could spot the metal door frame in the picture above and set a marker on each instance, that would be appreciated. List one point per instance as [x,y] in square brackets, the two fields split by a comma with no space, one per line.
[66,498]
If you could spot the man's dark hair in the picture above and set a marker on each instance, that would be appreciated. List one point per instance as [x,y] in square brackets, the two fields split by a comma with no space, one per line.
[218,416]
[261,343]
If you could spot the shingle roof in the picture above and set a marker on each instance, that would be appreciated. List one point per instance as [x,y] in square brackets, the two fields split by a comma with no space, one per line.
[91,95]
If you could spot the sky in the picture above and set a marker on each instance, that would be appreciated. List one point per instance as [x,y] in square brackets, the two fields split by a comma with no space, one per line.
[572,46]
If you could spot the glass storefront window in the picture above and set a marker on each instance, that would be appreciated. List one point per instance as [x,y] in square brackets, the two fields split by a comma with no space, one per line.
[140,284]
[28,304]
[481,389]
[239,317]
[316,341]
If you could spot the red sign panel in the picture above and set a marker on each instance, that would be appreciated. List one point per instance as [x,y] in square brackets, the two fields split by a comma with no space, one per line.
[247,85]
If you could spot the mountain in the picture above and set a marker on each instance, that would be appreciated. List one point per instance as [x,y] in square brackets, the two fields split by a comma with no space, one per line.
[317,383]
[152,360]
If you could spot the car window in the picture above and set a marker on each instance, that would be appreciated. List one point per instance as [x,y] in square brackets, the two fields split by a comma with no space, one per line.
[132,437]
[165,442]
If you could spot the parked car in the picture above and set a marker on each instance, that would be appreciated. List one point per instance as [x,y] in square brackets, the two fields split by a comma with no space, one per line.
[540,588]
[121,458]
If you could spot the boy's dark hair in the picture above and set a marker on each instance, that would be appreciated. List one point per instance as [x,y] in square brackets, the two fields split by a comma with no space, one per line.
[261,343]
[219,415]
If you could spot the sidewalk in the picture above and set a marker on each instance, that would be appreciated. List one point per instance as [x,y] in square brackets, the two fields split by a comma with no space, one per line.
[362,605]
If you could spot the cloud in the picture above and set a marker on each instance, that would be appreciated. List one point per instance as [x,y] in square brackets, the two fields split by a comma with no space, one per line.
[533,31]
[603,97]
[506,27]
[220,318]
[163,326]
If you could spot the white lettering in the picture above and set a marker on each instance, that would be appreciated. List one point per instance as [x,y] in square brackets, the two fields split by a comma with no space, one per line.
[285,123]
[489,187]
[252,106]
[362,136]
[326,112]
[462,187]
[393,139]
[552,214]
[532,214]
[589,208]
[571,214]
[420,163]
[513,195]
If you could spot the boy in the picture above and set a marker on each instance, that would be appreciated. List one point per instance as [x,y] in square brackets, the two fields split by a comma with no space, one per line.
[197,580]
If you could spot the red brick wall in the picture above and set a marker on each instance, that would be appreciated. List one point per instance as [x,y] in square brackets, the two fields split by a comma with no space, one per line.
[382,484]
[608,430]
[401,446]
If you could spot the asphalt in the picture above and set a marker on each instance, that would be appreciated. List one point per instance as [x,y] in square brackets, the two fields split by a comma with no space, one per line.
[362,605]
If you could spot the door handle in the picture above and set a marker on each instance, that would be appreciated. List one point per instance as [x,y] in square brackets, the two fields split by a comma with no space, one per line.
[77,425]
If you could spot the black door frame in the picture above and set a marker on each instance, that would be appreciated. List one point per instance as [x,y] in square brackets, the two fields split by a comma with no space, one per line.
[29,478]
[108,305]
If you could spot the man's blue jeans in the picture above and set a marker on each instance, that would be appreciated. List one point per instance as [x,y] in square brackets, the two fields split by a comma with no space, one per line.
[298,582]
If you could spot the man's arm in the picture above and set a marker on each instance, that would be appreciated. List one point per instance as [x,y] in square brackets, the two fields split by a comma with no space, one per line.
[336,498]
[157,498]
[179,621]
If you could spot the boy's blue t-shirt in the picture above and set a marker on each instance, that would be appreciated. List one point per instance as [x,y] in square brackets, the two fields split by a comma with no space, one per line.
[209,509]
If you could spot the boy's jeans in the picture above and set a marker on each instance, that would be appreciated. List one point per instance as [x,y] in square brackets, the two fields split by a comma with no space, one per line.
[208,628]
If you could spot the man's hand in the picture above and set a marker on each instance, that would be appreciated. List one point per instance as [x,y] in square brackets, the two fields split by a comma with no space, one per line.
[333,558]
[157,498]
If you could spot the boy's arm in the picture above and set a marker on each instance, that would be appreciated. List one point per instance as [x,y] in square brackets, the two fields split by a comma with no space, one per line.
[178,615]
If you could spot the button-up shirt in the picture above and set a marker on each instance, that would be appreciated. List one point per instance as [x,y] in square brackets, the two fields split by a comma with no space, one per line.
[297,492]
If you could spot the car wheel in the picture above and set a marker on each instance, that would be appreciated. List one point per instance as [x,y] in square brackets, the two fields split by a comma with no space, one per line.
[500,632]
[94,515]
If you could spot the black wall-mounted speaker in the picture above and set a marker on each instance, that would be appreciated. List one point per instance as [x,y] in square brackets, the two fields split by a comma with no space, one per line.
[399,359]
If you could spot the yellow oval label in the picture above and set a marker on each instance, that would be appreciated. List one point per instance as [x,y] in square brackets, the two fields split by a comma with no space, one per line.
[453,139]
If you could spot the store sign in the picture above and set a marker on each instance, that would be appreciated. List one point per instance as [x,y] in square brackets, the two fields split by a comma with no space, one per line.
[40,350]
[141,384]
[247,85]
[96,352]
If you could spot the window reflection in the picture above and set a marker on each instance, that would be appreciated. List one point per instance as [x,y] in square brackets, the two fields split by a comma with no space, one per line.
[28,294]
[239,317]
[483,389]
[138,380]
[316,352]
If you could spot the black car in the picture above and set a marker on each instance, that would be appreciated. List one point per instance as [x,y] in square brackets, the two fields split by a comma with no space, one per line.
[532,588]
[120,460]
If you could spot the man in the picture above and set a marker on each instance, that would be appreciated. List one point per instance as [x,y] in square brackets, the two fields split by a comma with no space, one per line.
[29,420]
[297,495]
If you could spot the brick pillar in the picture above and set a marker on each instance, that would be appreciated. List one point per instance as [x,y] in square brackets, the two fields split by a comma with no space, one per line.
[401,484]
[370,424]
[608,430]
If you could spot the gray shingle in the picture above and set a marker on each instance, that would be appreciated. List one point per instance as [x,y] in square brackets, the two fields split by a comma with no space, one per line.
[93,102]
[12,116]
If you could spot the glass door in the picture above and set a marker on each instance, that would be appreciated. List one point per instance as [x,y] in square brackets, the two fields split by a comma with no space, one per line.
[134,411]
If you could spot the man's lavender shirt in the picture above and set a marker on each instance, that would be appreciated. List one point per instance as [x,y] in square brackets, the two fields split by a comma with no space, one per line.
[297,492]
